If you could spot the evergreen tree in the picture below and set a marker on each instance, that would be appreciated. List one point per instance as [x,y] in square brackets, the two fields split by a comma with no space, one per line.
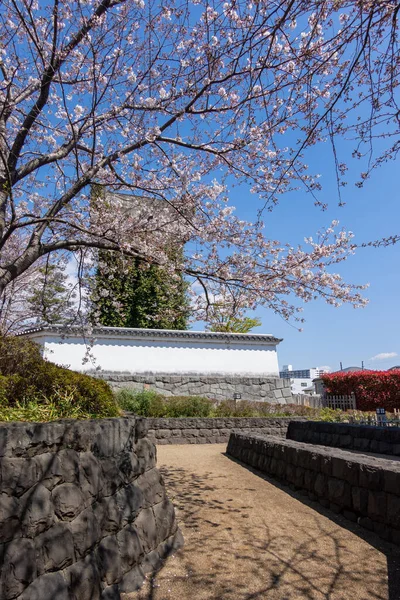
[235,324]
[51,299]
[128,294]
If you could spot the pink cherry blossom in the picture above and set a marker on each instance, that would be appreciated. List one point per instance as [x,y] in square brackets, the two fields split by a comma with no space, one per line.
[173,102]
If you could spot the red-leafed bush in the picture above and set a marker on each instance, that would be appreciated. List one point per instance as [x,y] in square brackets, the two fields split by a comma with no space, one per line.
[372,389]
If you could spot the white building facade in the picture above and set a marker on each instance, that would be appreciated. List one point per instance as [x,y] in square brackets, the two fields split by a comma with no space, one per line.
[301,380]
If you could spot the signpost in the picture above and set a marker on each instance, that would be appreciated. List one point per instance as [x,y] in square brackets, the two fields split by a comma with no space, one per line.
[237,396]
[381,416]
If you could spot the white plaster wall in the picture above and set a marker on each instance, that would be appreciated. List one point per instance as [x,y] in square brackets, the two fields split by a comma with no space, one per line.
[163,356]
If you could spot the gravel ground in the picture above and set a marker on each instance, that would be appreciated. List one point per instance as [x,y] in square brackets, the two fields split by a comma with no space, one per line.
[247,538]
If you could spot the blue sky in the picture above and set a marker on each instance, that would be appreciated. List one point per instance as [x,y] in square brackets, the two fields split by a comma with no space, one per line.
[345,334]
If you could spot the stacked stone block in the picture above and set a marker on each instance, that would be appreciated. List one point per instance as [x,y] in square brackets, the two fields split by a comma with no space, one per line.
[215,387]
[211,430]
[363,438]
[83,510]
[363,488]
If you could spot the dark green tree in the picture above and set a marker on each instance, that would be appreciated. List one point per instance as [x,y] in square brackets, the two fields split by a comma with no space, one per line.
[129,294]
[51,299]
[231,324]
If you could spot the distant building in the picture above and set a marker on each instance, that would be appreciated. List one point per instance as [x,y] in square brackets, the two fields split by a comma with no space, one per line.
[301,380]
[319,385]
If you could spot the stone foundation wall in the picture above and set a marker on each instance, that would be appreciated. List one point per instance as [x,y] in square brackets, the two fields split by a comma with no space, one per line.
[364,438]
[364,489]
[216,387]
[211,430]
[83,509]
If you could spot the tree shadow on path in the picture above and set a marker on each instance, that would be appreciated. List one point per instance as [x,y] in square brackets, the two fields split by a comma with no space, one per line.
[247,538]
[390,551]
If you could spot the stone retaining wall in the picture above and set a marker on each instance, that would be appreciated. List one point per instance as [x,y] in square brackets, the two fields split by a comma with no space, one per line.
[364,438]
[83,510]
[363,488]
[216,387]
[212,430]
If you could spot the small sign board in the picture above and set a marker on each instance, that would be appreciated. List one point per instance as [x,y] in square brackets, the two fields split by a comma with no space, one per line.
[380,416]
[237,396]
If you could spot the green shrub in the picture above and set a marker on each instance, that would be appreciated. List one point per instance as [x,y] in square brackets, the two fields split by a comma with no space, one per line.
[28,381]
[230,408]
[149,403]
[298,410]
[332,415]
[146,403]
[19,356]
[247,408]
[126,399]
[61,406]
[188,406]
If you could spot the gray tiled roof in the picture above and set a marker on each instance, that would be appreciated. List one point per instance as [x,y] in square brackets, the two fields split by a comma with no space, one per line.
[154,333]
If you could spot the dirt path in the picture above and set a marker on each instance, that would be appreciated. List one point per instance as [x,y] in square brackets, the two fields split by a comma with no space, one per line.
[248,538]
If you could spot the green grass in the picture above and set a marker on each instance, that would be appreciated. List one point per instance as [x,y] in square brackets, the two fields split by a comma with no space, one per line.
[60,406]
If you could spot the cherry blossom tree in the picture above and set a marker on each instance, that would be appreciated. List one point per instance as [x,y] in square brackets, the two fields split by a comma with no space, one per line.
[42,294]
[178,100]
